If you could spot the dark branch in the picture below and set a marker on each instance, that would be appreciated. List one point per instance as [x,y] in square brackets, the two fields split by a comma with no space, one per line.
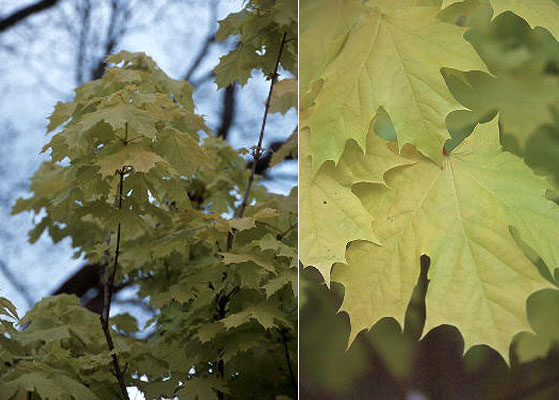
[227,112]
[113,36]
[108,293]
[21,14]
[257,152]
[200,57]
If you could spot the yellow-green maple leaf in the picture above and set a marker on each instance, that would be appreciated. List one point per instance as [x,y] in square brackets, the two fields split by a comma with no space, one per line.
[284,96]
[133,155]
[524,99]
[182,151]
[331,215]
[544,13]
[460,215]
[264,314]
[391,58]
[320,46]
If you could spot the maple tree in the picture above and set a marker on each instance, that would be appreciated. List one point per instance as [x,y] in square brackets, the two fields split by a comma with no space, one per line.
[429,128]
[142,187]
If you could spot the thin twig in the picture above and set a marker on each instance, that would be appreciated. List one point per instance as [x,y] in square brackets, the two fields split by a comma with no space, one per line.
[257,152]
[108,294]
[200,57]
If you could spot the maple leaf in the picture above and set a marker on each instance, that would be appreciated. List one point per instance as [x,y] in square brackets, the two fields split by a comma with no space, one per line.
[544,13]
[540,306]
[132,155]
[288,149]
[200,387]
[459,215]
[182,152]
[62,112]
[320,46]
[524,100]
[391,58]
[331,214]
[284,96]
[264,314]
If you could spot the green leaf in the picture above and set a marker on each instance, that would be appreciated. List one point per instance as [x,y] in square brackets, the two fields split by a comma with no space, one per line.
[392,59]
[8,309]
[542,307]
[62,113]
[202,388]
[331,214]
[264,314]
[284,96]
[132,155]
[182,152]
[288,149]
[459,215]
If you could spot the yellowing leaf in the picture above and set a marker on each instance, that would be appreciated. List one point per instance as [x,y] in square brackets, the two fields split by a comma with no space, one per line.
[182,152]
[289,277]
[265,213]
[544,13]
[241,224]
[331,215]
[62,112]
[392,58]
[233,258]
[460,215]
[264,314]
[284,96]
[198,388]
[320,46]
[132,155]
[288,149]
[524,99]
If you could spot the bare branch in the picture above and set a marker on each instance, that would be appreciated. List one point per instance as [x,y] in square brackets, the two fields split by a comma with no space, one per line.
[227,112]
[25,12]
[200,57]
[257,152]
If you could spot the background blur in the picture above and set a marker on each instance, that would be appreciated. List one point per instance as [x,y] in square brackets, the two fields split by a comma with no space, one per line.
[47,48]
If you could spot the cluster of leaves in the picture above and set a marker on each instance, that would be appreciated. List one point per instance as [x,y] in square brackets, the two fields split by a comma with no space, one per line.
[134,173]
[394,164]
[259,29]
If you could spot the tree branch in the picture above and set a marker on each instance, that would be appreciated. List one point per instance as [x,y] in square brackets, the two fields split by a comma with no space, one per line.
[23,13]
[108,294]
[258,150]
[200,57]
[227,112]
